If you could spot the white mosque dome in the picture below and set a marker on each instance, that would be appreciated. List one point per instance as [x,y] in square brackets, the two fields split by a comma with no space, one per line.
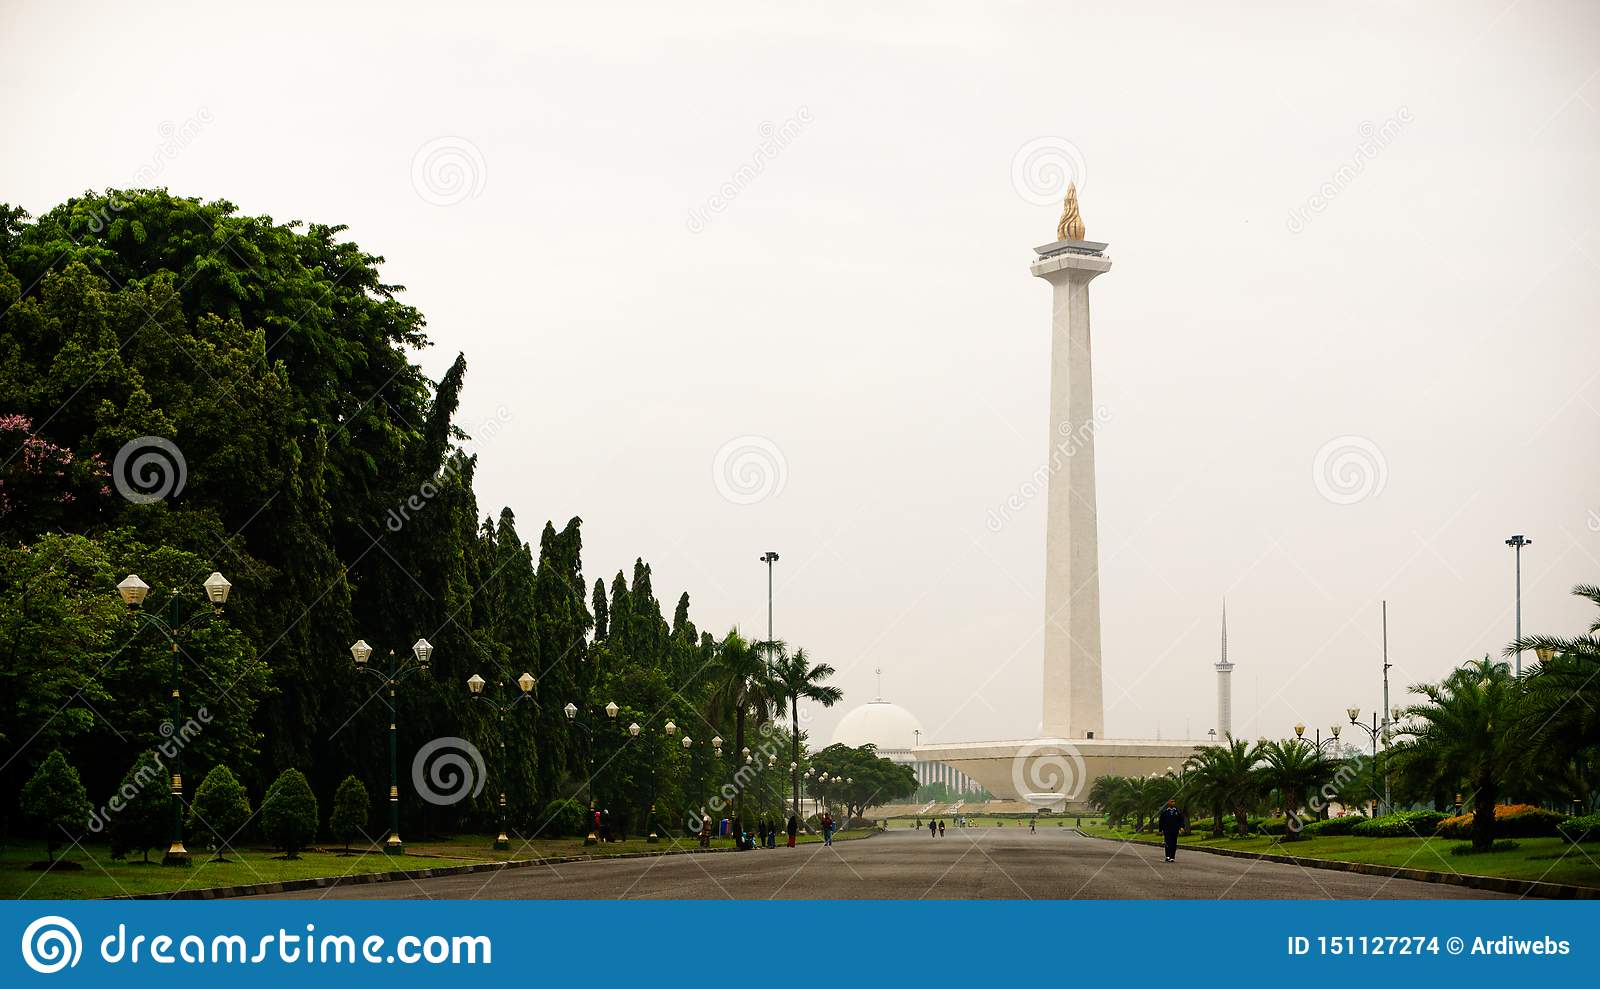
[886,725]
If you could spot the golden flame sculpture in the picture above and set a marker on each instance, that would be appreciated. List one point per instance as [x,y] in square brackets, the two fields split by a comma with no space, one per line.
[1071,225]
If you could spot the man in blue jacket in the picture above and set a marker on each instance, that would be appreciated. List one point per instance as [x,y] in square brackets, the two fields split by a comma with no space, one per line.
[1170,821]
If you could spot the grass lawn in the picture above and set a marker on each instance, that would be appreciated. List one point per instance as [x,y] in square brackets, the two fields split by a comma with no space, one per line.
[101,876]
[1550,860]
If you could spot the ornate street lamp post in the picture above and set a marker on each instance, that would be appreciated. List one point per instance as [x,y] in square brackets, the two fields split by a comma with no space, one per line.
[1376,732]
[422,653]
[176,624]
[501,706]
[571,711]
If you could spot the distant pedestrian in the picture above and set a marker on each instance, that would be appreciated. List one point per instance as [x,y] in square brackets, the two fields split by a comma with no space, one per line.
[1170,821]
[941,829]
[705,831]
[794,828]
[827,828]
[933,829]
[1033,825]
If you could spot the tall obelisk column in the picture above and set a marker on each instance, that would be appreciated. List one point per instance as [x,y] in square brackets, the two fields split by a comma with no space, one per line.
[1073,706]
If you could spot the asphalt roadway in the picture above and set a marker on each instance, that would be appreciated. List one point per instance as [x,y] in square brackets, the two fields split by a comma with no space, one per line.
[966,864]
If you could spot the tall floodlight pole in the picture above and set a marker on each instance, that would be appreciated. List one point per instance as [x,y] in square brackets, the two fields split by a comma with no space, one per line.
[1387,719]
[769,558]
[1516,543]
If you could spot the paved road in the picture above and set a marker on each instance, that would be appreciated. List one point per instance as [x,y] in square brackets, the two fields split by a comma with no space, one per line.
[976,864]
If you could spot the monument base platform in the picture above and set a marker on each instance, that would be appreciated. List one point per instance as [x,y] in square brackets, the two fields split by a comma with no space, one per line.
[1056,773]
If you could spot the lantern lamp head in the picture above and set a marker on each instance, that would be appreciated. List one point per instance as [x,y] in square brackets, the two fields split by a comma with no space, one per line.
[359,652]
[133,590]
[475,683]
[217,588]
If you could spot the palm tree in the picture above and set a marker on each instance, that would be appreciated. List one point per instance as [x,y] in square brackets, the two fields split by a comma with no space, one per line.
[1561,706]
[1207,783]
[1238,779]
[793,677]
[740,684]
[1293,768]
[1145,793]
[1469,728]
[1117,796]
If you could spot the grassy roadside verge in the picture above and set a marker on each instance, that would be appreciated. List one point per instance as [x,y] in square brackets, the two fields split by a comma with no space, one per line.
[1550,860]
[101,876]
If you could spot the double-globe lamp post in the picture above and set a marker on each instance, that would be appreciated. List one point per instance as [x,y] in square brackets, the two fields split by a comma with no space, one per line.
[525,684]
[1376,732]
[1332,741]
[133,591]
[422,652]
[571,711]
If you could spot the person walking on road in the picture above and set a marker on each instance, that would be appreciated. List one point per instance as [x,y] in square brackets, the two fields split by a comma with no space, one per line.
[1171,821]
[941,829]
[933,829]
[794,829]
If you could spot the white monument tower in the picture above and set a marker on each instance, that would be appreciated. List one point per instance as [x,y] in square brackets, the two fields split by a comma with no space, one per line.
[1224,686]
[1054,770]
[1073,706]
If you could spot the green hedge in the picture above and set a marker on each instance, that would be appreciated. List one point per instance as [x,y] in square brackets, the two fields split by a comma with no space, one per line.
[1334,825]
[1406,824]
[1576,829]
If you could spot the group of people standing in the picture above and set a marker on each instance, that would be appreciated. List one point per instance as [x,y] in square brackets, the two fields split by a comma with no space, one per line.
[766,835]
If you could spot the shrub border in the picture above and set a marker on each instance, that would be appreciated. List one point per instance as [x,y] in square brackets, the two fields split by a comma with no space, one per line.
[1493,884]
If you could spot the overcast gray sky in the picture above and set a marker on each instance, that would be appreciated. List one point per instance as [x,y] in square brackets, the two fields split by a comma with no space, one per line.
[799,235]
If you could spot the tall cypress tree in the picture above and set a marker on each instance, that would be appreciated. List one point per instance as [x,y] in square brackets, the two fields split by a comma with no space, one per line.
[601,610]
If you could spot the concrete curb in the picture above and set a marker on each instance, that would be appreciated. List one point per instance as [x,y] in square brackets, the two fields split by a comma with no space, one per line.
[328,882]
[1493,884]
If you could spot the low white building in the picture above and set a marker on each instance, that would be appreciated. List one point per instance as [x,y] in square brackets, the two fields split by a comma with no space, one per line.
[896,732]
